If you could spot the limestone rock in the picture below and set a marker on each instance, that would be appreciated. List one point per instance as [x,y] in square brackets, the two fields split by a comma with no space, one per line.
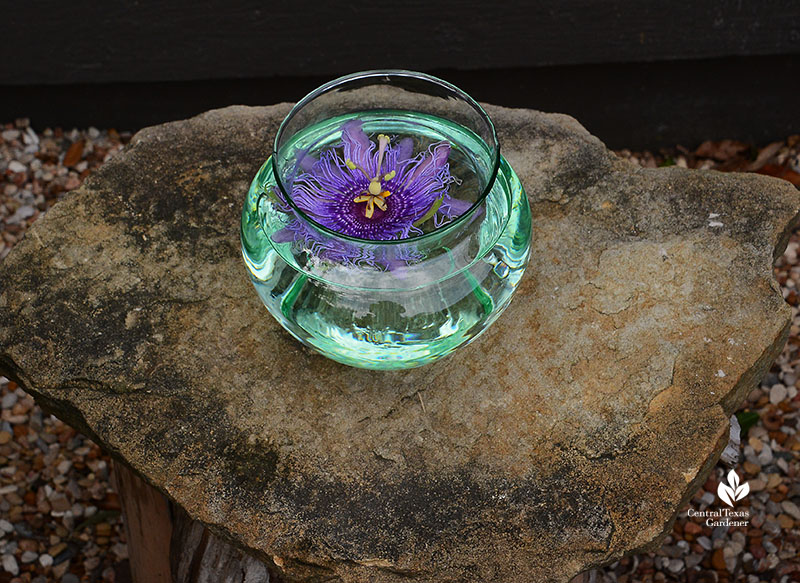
[567,435]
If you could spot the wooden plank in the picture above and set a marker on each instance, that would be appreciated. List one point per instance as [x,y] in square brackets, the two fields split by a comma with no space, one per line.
[48,41]
[637,105]
[148,526]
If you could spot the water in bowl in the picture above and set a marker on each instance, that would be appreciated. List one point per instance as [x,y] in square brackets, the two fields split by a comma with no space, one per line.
[382,316]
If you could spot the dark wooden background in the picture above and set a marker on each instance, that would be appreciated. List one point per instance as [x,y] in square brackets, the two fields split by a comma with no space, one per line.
[637,73]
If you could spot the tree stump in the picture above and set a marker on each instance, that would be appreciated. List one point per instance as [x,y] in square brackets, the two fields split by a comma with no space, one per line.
[566,436]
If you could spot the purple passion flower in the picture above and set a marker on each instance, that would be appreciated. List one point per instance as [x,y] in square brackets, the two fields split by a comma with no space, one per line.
[370,191]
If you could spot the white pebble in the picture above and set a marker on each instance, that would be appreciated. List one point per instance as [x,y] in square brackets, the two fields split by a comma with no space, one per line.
[794,163]
[765,456]
[734,549]
[16,166]
[6,526]
[10,564]
[791,509]
[730,563]
[777,394]
[45,560]
[22,213]
[121,551]
[675,565]
[693,560]
[9,400]
[9,135]
[30,137]
[29,556]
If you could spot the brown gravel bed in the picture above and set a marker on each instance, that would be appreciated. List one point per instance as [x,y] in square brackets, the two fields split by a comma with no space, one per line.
[60,520]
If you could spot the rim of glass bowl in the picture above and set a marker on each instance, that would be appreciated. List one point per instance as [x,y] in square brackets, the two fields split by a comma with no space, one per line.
[390,73]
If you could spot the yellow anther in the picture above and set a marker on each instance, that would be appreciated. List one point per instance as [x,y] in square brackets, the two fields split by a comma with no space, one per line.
[390,175]
[374,188]
[353,166]
[372,201]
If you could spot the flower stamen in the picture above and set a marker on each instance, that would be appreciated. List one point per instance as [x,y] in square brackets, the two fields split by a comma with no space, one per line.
[353,166]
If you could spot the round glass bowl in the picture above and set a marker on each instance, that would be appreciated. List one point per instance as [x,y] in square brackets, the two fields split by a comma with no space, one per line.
[386,230]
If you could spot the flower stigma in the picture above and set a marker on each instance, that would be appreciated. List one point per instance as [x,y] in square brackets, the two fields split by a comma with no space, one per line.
[375,194]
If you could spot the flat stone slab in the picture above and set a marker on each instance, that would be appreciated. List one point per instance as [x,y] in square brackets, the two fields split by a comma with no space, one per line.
[567,435]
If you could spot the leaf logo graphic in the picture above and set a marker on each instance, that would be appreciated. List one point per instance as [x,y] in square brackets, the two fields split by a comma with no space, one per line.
[733,492]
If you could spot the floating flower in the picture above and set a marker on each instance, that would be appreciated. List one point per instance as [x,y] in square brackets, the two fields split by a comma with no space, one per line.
[370,191]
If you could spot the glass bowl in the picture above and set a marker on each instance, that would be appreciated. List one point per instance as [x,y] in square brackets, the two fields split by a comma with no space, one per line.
[386,230]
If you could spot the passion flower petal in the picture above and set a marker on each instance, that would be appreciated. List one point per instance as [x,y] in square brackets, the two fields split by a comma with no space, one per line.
[357,146]
[404,149]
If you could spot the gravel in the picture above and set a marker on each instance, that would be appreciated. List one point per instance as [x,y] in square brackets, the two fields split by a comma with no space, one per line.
[55,496]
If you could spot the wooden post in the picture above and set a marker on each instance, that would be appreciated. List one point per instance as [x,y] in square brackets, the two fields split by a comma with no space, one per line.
[166,546]
[197,556]
[148,526]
